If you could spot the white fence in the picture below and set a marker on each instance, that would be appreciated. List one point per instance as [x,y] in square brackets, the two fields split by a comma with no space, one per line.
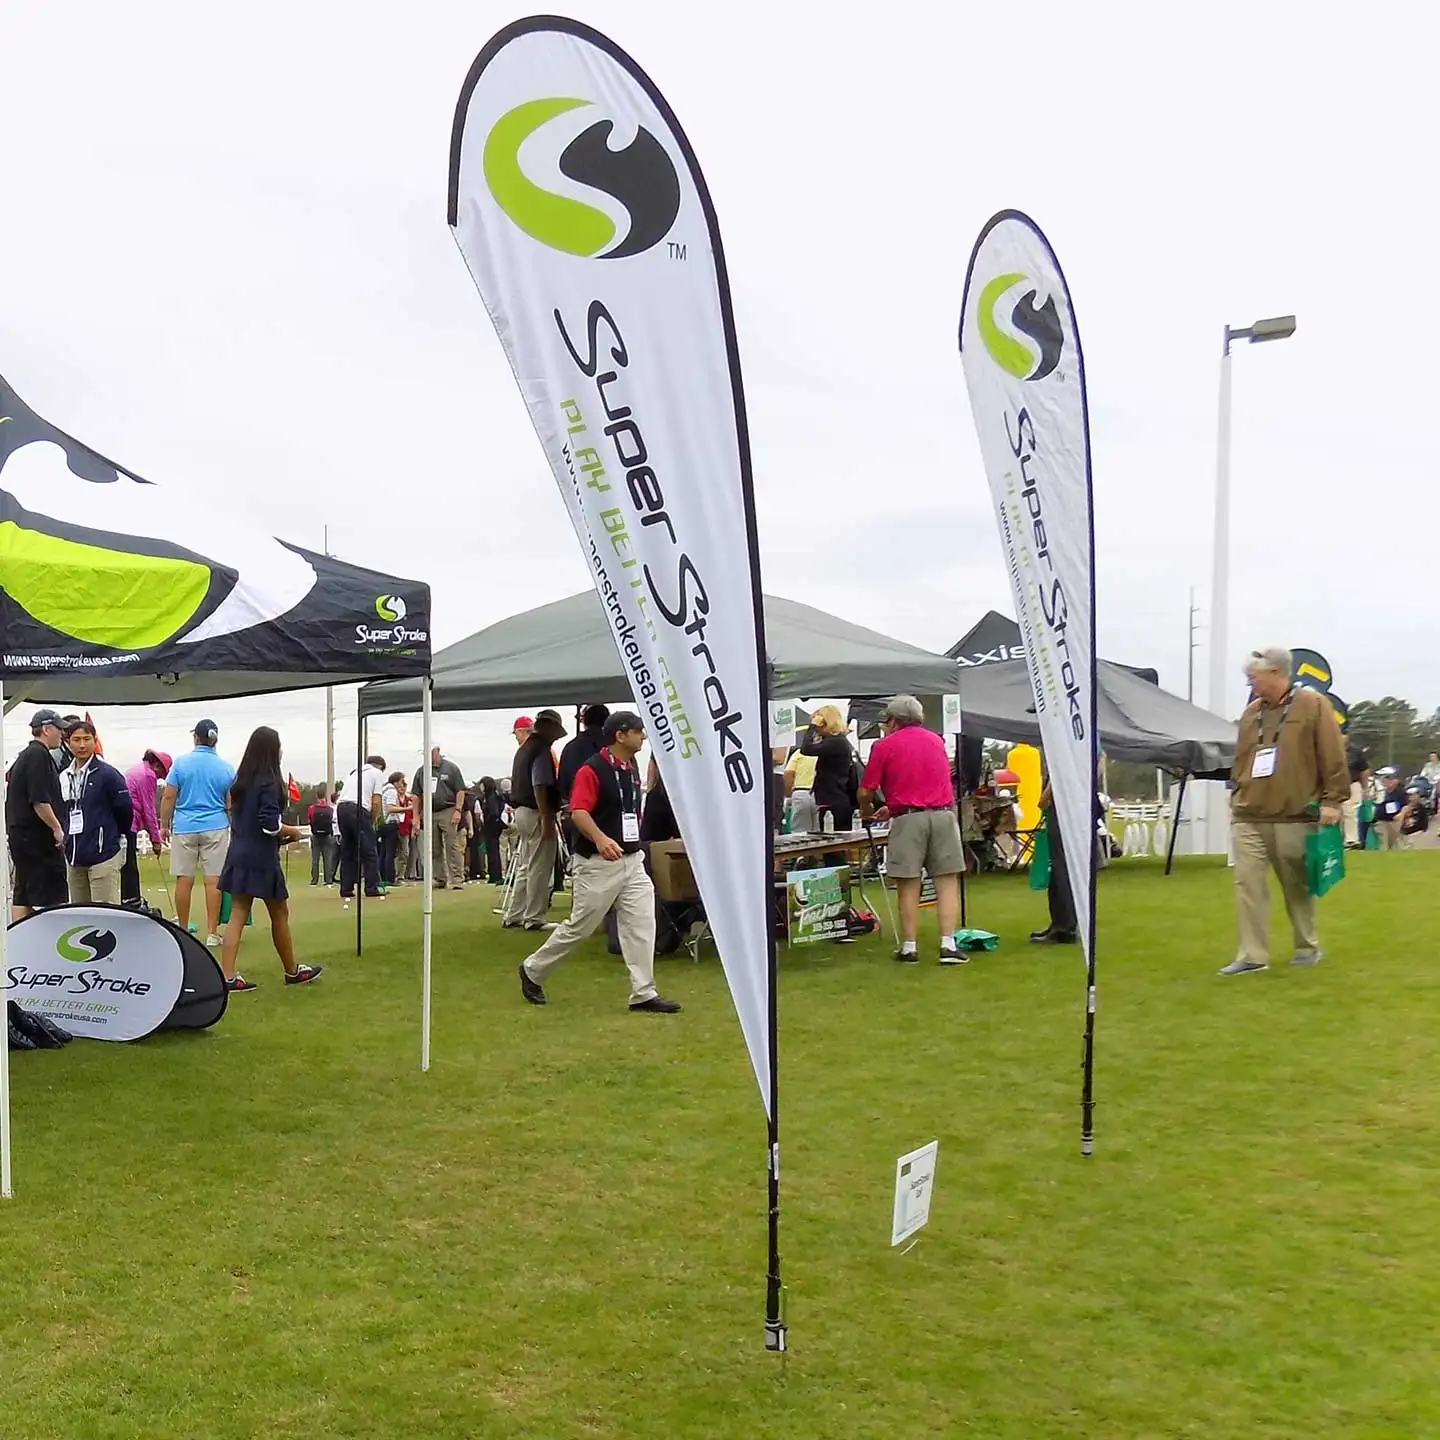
[1144,829]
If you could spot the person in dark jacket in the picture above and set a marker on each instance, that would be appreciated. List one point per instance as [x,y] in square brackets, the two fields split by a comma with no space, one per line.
[324,844]
[828,742]
[585,746]
[98,816]
[256,805]
[492,825]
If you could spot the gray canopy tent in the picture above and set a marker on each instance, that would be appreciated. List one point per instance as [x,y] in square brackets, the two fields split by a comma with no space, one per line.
[565,653]
[1138,720]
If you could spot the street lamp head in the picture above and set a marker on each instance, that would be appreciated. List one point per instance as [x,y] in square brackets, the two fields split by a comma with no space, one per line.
[1278,327]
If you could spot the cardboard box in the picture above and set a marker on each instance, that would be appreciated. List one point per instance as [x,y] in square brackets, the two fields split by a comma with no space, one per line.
[670,868]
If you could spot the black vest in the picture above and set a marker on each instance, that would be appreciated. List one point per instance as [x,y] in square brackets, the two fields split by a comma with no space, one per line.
[522,788]
[619,792]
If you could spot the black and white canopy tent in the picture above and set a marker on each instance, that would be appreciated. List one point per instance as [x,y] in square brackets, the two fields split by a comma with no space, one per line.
[114,591]
[1138,720]
[565,653]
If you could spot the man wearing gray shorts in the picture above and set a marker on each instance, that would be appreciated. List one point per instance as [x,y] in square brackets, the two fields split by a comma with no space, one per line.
[195,820]
[909,771]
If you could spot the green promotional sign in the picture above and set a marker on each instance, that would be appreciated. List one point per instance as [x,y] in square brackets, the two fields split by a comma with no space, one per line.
[818,905]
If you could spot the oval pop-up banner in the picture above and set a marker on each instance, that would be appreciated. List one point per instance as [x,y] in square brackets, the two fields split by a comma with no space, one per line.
[108,973]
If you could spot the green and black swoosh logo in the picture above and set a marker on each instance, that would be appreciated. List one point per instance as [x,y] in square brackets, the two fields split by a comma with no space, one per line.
[641,177]
[1034,349]
[83,944]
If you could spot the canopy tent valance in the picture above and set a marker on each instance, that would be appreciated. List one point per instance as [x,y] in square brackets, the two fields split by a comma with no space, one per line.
[115,591]
[565,653]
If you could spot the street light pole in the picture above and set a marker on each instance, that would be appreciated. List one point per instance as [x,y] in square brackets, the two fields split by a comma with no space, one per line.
[1278,327]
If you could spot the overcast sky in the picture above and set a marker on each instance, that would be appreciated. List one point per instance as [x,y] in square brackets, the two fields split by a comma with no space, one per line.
[226,265]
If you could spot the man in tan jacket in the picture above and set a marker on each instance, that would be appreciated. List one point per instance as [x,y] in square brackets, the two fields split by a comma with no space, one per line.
[1290,773]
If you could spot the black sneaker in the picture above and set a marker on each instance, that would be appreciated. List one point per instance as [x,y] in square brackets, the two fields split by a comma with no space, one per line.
[657,1005]
[236,983]
[908,957]
[949,955]
[529,989]
[304,974]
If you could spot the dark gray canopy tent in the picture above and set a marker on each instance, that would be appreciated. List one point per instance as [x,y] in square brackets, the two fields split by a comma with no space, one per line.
[565,653]
[1138,720]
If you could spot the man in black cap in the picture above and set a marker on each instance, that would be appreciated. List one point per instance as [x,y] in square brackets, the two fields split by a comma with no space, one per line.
[36,834]
[609,869]
[535,798]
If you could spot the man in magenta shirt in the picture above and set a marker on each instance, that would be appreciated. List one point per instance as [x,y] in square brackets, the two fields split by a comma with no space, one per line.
[143,782]
[910,770]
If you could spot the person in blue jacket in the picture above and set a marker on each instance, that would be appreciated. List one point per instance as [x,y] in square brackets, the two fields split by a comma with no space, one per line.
[97,818]
[252,864]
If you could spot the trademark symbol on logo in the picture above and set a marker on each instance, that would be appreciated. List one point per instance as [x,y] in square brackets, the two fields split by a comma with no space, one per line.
[677,249]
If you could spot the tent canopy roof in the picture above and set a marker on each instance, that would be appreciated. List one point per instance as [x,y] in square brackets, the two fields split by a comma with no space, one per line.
[564,653]
[1138,720]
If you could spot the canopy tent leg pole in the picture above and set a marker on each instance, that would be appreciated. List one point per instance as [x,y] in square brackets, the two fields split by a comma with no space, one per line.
[359,849]
[1175,825]
[428,881]
[7,1189]
[964,853]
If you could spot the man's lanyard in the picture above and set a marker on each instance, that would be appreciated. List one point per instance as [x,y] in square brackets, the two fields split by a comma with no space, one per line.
[1284,716]
[78,780]
[625,778]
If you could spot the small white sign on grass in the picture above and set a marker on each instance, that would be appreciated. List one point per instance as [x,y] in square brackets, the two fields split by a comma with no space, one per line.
[914,1184]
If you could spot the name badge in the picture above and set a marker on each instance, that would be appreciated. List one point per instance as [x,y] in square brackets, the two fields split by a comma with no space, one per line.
[630,828]
[77,822]
[1264,763]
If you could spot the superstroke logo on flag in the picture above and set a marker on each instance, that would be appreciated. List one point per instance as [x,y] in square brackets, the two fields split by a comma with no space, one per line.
[582,215]
[1026,379]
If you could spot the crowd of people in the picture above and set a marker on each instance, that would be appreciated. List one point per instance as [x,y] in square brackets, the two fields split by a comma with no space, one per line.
[74,824]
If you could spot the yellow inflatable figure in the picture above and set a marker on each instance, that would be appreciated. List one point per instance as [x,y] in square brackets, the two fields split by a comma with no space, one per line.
[1024,760]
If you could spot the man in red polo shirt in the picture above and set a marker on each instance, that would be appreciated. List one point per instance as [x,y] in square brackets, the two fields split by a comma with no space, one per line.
[910,770]
[609,869]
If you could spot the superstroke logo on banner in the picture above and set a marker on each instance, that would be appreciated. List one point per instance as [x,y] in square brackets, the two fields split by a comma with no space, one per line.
[1026,379]
[582,215]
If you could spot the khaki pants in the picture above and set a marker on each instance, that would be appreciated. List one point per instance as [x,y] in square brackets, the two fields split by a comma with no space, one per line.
[1391,835]
[1259,848]
[535,870]
[1350,814]
[98,883]
[445,848]
[599,884]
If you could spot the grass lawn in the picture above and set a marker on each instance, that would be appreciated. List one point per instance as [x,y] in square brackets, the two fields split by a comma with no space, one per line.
[280,1228]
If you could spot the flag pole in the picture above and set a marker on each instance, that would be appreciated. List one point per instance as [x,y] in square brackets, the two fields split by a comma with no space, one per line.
[7,1189]
[359,849]
[427,893]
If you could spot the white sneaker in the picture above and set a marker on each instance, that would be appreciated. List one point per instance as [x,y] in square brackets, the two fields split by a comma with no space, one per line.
[214,941]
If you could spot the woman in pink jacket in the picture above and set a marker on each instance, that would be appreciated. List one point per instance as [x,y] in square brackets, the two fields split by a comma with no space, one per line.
[143,782]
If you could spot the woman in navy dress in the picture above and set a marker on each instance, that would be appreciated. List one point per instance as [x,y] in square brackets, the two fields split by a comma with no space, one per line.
[252,867]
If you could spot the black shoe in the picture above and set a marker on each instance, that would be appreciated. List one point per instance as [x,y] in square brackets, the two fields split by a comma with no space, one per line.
[908,957]
[529,989]
[949,955]
[304,974]
[1052,937]
[657,1005]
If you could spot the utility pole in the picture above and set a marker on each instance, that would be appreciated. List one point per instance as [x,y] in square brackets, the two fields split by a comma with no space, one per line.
[329,712]
[1190,675]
